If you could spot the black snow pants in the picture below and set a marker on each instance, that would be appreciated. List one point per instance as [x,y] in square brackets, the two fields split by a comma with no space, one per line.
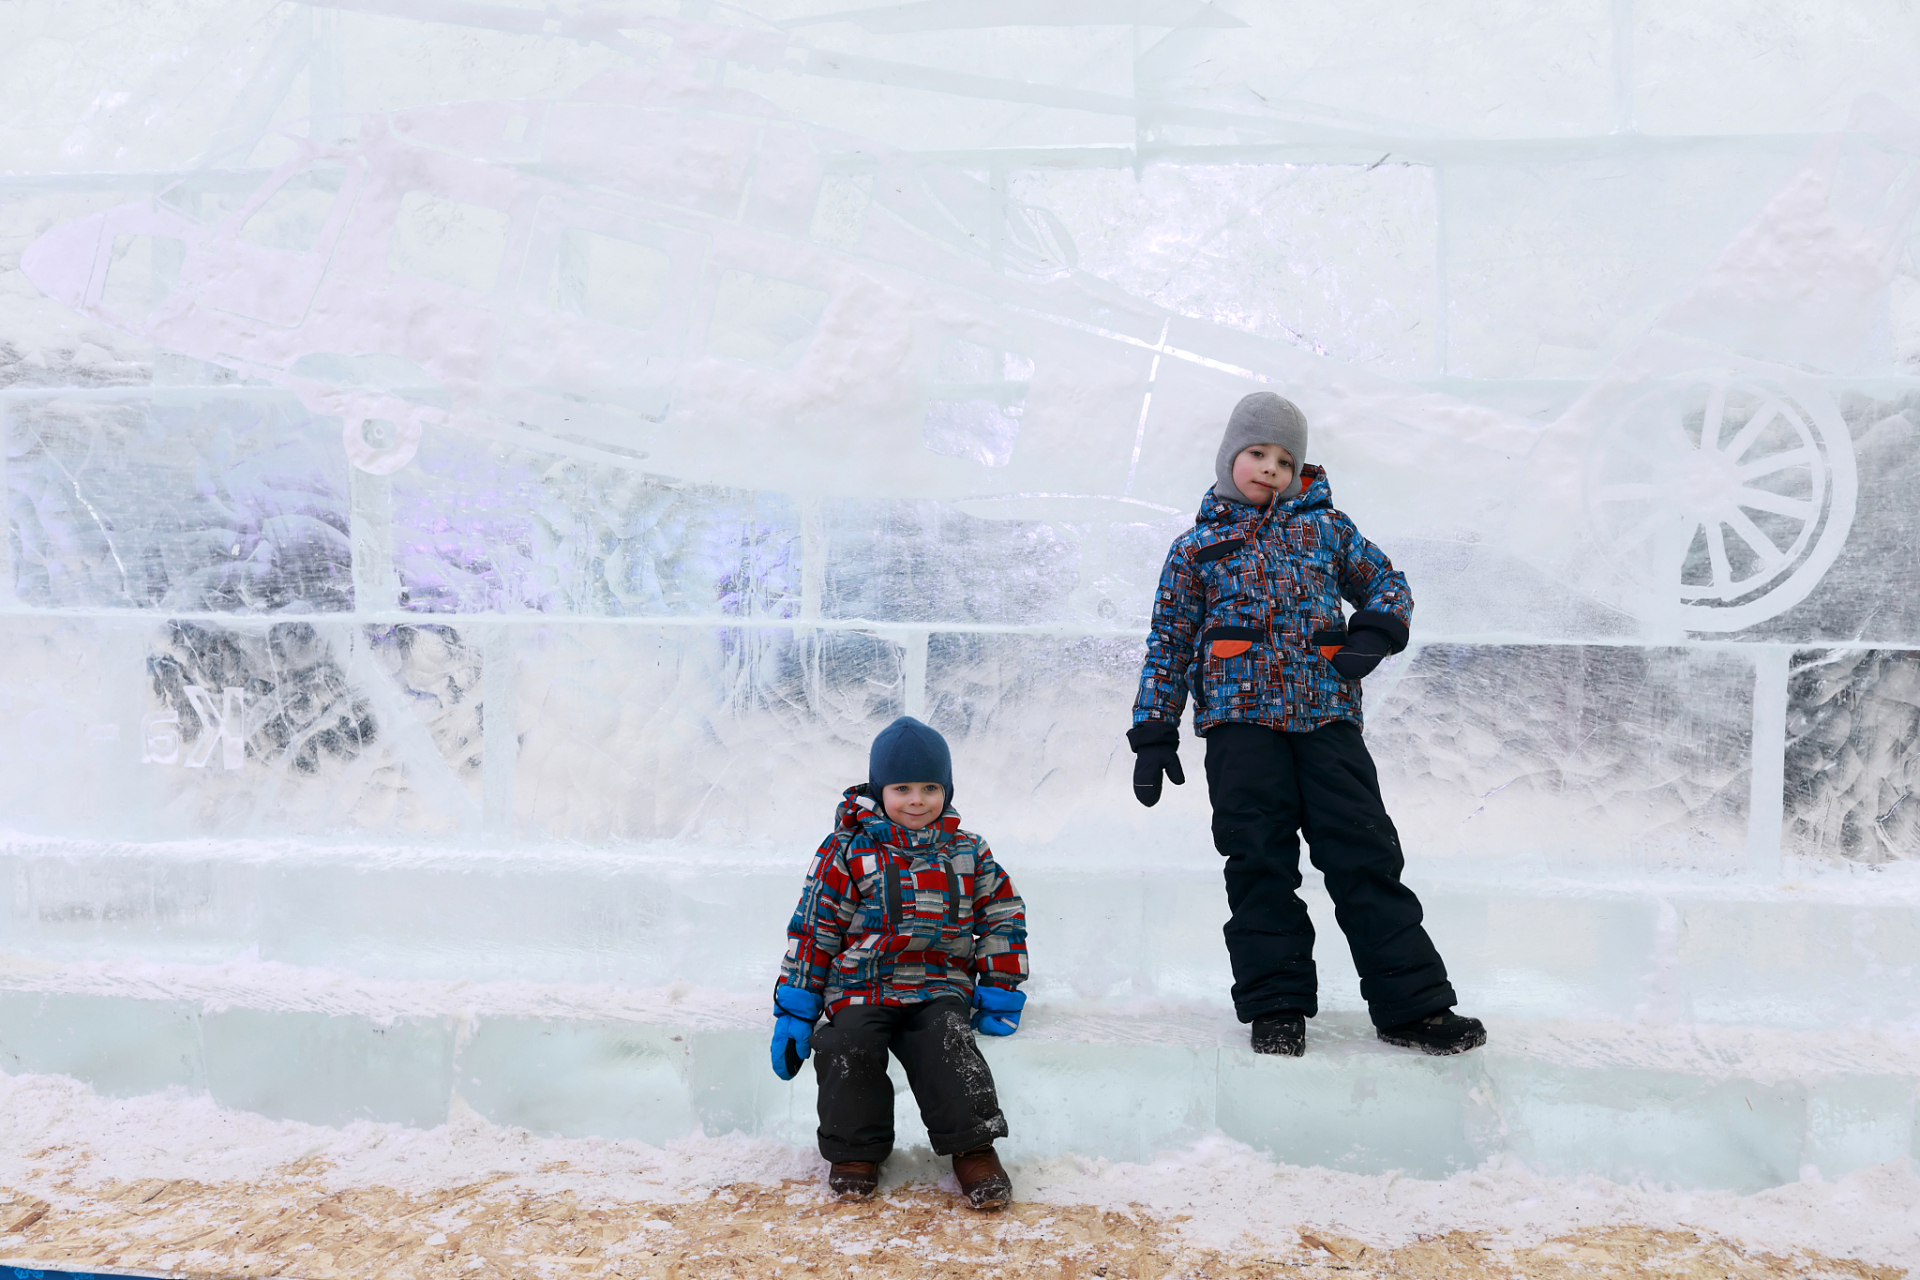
[944,1068]
[1268,787]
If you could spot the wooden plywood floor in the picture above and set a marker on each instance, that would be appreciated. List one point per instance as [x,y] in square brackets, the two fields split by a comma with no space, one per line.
[293,1225]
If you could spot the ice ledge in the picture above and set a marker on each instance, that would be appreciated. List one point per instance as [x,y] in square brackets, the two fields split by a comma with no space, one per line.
[1739,1109]
[267,986]
[1769,1054]
[1556,875]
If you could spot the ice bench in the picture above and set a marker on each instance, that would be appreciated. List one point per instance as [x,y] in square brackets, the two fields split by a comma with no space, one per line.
[1699,1032]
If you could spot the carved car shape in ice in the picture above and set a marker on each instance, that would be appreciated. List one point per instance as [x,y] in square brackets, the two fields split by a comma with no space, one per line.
[570,269]
[692,282]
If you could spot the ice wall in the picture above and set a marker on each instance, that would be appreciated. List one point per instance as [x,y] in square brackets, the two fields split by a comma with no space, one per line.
[589,426]
[477,476]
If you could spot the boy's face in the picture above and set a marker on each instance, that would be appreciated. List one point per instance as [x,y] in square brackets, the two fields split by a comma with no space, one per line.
[1262,470]
[913,804]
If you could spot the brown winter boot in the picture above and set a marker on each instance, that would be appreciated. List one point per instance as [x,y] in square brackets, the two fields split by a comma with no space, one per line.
[853,1179]
[982,1181]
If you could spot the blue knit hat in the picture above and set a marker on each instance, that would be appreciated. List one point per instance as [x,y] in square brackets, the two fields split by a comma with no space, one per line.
[908,751]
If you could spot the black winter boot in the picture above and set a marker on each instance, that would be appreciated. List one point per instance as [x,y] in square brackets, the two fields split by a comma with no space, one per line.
[1283,1033]
[1440,1033]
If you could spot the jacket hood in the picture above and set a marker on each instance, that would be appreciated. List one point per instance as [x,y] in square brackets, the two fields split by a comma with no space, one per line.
[1314,492]
[851,815]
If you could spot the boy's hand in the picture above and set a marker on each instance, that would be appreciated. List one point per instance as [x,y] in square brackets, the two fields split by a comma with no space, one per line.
[792,1029]
[996,1010]
[1371,636]
[1156,750]
[1361,653]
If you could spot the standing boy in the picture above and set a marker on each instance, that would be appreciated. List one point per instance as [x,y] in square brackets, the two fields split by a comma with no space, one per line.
[905,924]
[1248,617]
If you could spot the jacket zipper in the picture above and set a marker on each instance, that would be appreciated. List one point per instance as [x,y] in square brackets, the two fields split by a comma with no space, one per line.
[1199,684]
[890,891]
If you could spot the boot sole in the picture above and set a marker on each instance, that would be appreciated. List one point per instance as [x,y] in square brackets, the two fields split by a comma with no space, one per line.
[995,1198]
[1437,1050]
[853,1195]
[1281,1050]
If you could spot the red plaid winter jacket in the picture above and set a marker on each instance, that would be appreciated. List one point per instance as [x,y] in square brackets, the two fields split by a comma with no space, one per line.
[892,916]
[1248,611]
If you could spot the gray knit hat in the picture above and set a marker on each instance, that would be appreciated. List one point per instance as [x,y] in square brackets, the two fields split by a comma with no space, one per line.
[1260,418]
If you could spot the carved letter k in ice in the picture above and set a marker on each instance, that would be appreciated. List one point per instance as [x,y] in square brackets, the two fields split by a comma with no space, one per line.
[225,727]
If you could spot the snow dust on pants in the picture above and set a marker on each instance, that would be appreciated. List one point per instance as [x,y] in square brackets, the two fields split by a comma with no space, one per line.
[949,1079]
[1268,788]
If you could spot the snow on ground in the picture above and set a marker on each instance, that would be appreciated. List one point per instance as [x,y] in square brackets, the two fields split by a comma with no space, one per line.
[1228,1189]
[58,1139]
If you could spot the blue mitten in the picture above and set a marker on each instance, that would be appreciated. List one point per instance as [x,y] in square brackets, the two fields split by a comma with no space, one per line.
[792,1029]
[996,1010]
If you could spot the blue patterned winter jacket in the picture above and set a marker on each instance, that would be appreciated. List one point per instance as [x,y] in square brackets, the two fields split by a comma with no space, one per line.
[1248,613]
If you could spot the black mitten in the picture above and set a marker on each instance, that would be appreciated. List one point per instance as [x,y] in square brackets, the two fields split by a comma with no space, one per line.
[1371,636]
[1156,751]
[1361,653]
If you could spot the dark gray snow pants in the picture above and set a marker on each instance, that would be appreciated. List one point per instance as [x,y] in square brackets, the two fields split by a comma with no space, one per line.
[949,1079]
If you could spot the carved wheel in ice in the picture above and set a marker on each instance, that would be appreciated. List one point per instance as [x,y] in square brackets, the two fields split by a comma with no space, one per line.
[381,433]
[1736,495]
[381,446]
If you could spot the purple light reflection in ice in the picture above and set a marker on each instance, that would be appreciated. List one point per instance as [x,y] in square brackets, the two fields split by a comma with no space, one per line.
[494,529]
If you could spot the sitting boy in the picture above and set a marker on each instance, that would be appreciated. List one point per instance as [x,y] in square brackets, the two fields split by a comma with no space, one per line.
[905,924]
[1248,618]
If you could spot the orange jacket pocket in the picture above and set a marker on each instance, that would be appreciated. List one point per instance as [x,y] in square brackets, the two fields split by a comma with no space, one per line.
[1229,642]
[1330,641]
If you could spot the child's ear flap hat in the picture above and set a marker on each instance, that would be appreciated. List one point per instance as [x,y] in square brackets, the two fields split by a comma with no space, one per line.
[1260,418]
[909,751]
